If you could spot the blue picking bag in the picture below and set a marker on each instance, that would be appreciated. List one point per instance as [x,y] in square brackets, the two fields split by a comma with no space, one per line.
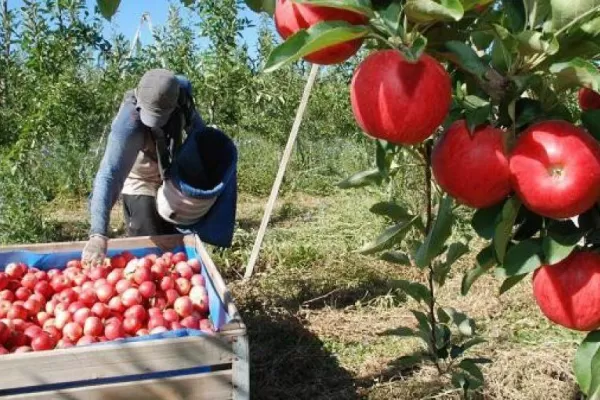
[205,166]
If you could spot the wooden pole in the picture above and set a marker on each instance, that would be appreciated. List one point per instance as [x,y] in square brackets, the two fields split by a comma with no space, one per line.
[282,166]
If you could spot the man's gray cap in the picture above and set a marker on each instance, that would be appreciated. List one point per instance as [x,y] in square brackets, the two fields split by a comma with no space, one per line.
[157,95]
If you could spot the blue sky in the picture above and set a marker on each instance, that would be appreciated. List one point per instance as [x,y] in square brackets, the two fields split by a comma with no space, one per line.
[127,19]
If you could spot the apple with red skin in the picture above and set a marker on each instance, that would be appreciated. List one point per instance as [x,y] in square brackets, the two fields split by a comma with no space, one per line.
[399,101]
[588,99]
[568,293]
[290,17]
[472,167]
[555,169]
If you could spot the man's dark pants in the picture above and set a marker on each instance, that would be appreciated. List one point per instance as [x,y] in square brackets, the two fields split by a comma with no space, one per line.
[142,218]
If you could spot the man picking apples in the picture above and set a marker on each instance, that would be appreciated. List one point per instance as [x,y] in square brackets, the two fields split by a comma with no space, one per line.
[168,184]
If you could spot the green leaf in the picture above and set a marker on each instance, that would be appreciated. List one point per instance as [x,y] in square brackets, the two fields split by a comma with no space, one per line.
[424,328]
[396,257]
[458,351]
[429,10]
[472,368]
[466,57]
[435,240]
[392,210]
[565,11]
[484,220]
[360,179]
[418,47]
[515,13]
[504,227]
[455,252]
[108,8]
[576,73]
[527,111]
[465,325]
[533,42]
[557,248]
[187,3]
[416,290]
[592,27]
[523,258]
[359,6]
[477,111]
[482,40]
[542,11]
[391,16]
[258,6]
[485,260]
[510,282]
[317,37]
[583,364]
[388,237]
[591,121]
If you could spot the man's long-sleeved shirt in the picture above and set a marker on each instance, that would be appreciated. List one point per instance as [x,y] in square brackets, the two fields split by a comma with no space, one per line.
[128,165]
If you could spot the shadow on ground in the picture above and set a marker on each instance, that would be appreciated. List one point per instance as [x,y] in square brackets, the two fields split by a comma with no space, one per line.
[288,361]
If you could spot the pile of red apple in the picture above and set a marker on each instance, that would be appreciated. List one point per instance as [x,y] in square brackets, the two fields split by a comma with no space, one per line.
[125,297]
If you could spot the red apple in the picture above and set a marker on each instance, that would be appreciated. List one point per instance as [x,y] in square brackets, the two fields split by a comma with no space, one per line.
[114,331]
[68,296]
[15,270]
[147,289]
[568,293]
[81,315]
[122,286]
[588,99]
[194,263]
[114,276]
[136,311]
[93,327]
[183,286]
[28,281]
[142,274]
[17,312]
[132,325]
[100,310]
[198,280]
[118,261]
[7,295]
[43,341]
[87,339]
[131,297]
[105,292]
[191,322]
[54,332]
[555,169]
[23,293]
[399,101]
[62,319]
[472,168]
[4,332]
[3,280]
[167,283]
[291,17]
[73,331]
[116,305]
[199,298]
[44,289]
[171,315]
[183,306]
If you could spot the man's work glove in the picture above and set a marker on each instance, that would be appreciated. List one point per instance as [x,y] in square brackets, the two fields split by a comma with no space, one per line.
[94,251]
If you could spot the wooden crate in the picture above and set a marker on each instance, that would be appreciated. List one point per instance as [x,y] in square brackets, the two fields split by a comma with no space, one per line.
[188,367]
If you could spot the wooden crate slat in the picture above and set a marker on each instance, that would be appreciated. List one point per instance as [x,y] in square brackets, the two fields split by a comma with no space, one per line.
[213,385]
[111,360]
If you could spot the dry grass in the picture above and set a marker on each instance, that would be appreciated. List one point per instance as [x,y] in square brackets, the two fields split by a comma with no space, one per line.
[315,312]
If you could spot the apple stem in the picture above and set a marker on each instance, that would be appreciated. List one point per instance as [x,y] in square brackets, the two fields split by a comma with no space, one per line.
[427,155]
